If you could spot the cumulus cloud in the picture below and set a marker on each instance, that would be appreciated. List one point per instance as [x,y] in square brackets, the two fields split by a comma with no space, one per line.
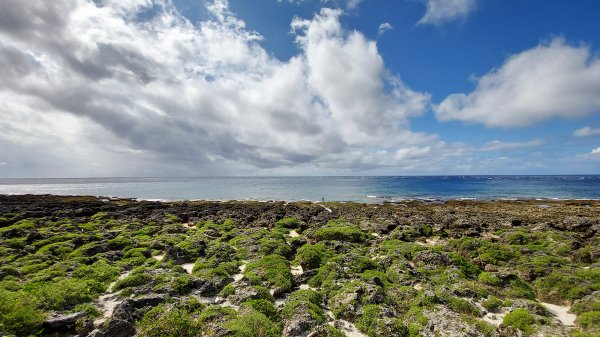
[97,88]
[586,132]
[443,11]
[596,151]
[497,145]
[550,80]
[384,27]
[349,4]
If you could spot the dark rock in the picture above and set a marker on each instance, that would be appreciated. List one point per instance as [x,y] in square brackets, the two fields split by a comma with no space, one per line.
[151,300]
[300,324]
[432,258]
[60,322]
[115,328]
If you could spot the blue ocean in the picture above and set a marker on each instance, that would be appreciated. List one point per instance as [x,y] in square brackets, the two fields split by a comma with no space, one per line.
[358,189]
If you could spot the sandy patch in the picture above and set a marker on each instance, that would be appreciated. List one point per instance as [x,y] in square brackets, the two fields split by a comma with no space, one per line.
[431,242]
[348,328]
[188,267]
[240,276]
[305,286]
[159,257]
[108,302]
[327,208]
[494,318]
[561,313]
[297,270]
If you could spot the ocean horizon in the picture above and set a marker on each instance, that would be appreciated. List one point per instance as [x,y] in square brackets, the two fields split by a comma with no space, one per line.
[366,189]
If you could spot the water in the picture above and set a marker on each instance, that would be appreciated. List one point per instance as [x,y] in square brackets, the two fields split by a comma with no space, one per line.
[360,189]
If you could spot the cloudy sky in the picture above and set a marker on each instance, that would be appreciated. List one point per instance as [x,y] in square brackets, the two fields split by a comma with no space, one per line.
[94,88]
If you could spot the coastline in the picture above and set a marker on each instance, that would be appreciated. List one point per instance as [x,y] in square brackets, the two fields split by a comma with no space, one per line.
[100,266]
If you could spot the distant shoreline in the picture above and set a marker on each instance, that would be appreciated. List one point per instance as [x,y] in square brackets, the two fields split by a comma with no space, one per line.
[425,201]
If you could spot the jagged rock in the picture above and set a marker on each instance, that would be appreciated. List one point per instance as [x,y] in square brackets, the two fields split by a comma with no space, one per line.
[115,328]
[243,293]
[301,323]
[62,322]
[432,258]
[134,308]
[447,323]
[148,300]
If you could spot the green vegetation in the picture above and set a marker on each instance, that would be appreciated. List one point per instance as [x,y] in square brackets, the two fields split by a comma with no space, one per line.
[429,263]
[339,232]
[520,319]
[271,271]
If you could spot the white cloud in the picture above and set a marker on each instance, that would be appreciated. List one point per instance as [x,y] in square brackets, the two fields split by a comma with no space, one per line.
[442,11]
[497,145]
[596,151]
[349,4]
[550,80]
[88,89]
[586,132]
[384,27]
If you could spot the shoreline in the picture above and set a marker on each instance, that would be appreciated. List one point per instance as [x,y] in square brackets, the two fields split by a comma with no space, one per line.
[373,200]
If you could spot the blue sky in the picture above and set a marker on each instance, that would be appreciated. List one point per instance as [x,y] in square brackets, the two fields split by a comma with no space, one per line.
[299,87]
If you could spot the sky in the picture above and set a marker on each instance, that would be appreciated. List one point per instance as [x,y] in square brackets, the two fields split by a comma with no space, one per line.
[100,88]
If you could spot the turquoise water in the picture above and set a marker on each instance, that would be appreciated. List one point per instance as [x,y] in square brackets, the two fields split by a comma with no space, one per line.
[361,189]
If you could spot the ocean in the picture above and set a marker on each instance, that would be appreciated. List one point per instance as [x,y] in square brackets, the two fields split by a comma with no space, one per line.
[359,189]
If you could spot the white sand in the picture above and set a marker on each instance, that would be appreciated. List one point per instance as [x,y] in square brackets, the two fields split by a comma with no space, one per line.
[109,301]
[562,313]
[305,286]
[348,328]
[327,208]
[431,242]
[188,267]
[238,277]
[494,318]
[297,270]
[159,257]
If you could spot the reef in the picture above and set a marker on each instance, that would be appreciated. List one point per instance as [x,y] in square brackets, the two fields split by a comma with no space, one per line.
[93,266]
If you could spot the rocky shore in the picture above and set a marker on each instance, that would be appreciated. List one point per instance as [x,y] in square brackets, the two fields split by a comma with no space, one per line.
[87,266]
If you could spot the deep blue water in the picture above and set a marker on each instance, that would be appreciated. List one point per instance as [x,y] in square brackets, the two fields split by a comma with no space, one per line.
[361,189]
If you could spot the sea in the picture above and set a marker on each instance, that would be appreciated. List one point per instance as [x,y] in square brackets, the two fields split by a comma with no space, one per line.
[366,189]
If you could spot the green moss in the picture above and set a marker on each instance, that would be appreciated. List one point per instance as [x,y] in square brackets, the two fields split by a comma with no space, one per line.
[164,321]
[89,309]
[133,280]
[64,294]
[100,271]
[489,279]
[590,321]
[370,323]
[215,313]
[520,319]
[291,308]
[19,314]
[290,223]
[253,324]
[273,270]
[492,304]
[463,306]
[340,232]
[183,284]
[228,290]
[265,307]
[312,256]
